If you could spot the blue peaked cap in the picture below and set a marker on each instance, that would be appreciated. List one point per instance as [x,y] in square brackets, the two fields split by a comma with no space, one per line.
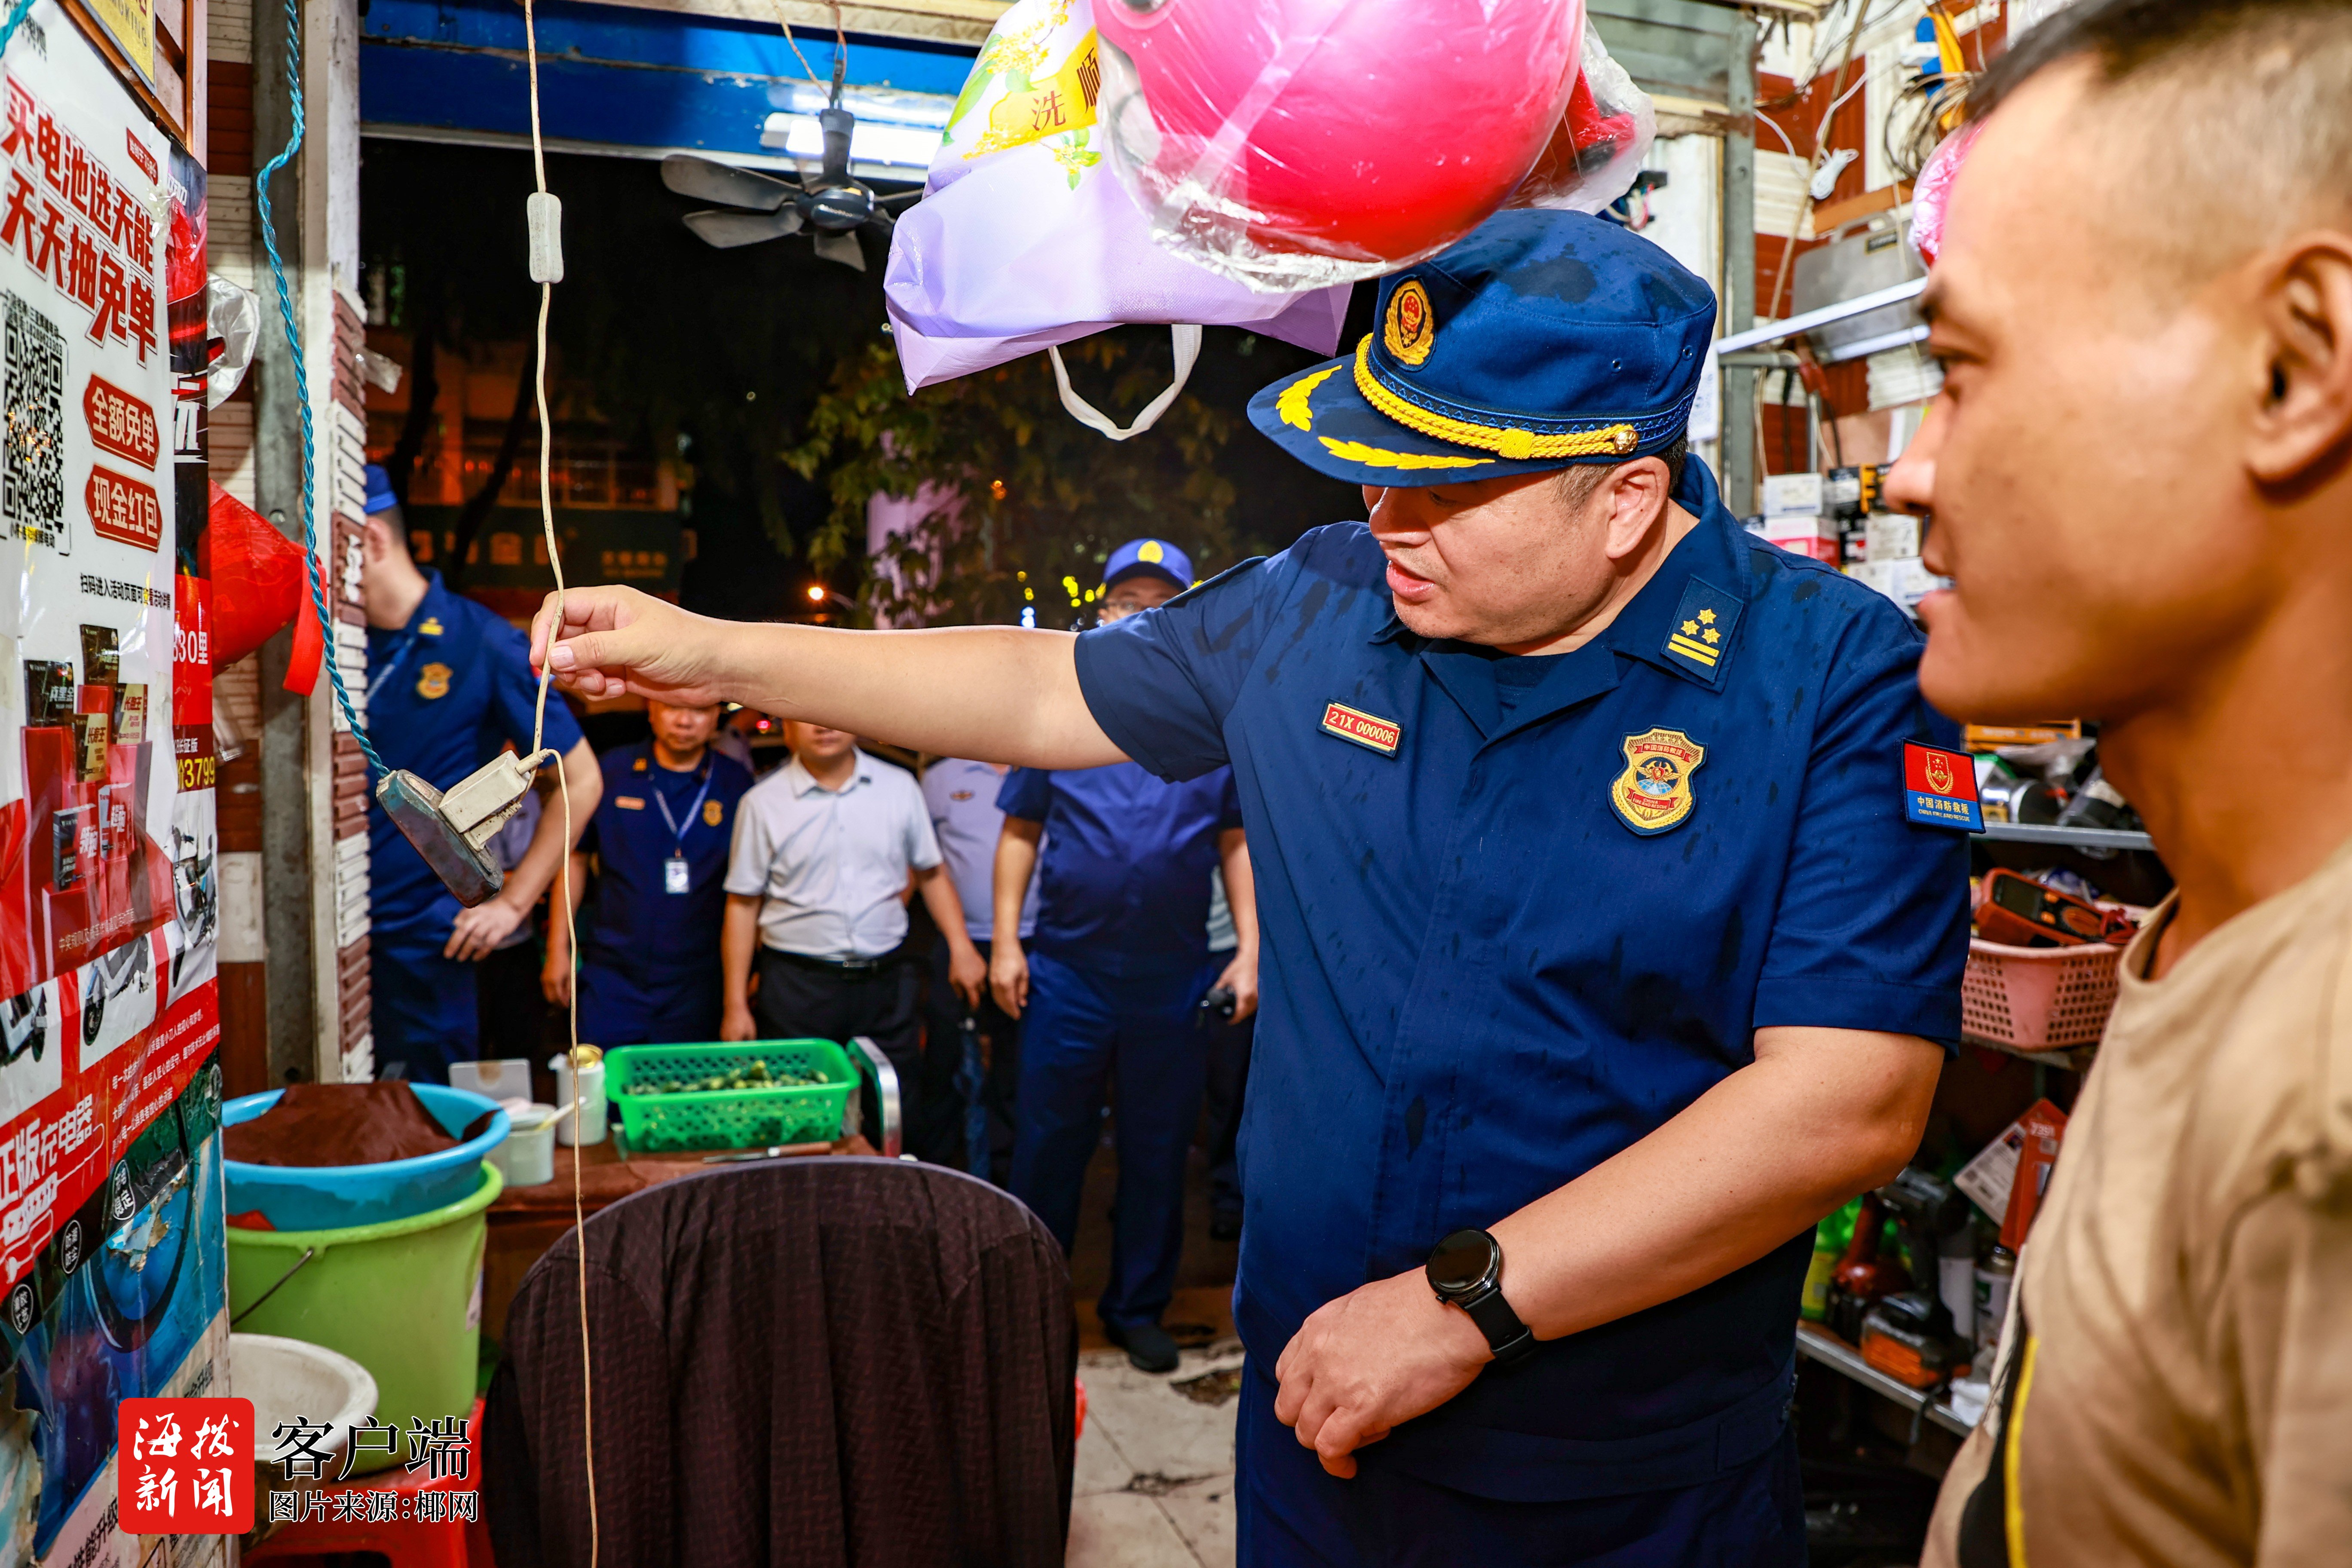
[378,491]
[1540,340]
[1154,555]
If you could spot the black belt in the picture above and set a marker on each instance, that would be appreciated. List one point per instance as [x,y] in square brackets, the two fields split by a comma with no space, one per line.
[850,966]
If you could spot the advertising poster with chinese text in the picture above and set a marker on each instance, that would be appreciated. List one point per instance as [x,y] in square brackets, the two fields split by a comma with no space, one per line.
[112,1258]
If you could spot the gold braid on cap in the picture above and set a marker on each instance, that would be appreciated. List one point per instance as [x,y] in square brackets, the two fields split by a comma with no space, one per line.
[1517,445]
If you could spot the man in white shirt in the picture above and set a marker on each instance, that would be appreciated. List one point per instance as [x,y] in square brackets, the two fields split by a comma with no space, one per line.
[825,850]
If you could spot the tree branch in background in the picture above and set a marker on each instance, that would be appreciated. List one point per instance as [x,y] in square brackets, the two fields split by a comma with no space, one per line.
[477,506]
[1025,501]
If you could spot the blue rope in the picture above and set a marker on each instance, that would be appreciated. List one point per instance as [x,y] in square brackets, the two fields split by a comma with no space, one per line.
[301,382]
[8,28]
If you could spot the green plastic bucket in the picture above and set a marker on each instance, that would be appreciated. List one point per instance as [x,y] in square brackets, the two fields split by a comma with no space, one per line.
[404,1299]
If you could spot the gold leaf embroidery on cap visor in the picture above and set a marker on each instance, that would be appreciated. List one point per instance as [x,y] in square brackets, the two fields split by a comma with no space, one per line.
[1292,401]
[1381,458]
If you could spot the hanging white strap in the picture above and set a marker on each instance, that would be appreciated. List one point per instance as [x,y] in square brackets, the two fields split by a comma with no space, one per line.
[1187,340]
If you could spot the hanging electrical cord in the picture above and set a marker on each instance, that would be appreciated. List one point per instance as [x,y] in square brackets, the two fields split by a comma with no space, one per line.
[545,216]
[840,50]
[544,213]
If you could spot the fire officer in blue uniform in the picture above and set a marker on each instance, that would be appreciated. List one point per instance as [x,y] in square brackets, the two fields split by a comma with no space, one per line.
[449,686]
[649,960]
[1112,981]
[1600,955]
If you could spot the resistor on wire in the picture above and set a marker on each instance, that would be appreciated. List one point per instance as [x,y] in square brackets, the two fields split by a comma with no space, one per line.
[544,211]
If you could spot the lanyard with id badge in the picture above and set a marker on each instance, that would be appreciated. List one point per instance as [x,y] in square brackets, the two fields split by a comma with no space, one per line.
[676,878]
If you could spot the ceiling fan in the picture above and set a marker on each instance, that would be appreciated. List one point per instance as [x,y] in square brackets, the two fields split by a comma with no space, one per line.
[830,205]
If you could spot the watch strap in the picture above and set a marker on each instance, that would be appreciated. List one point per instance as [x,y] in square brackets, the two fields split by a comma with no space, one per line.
[1506,1336]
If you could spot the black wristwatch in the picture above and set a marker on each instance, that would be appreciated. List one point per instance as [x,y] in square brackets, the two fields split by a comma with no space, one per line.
[1467,1270]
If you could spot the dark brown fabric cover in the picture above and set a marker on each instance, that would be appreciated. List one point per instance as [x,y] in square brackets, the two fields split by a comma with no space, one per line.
[804,1363]
[338,1124]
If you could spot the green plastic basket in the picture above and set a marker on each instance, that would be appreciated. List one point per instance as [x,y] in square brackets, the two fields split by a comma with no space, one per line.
[727,1118]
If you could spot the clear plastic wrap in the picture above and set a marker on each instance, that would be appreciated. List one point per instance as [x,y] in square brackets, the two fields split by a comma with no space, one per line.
[1301,144]
[1598,144]
[1024,239]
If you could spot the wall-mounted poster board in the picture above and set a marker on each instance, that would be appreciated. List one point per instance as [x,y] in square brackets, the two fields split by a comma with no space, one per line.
[112,1263]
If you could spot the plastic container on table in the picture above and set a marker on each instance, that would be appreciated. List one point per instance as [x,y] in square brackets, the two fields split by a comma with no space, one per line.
[401,1298]
[323,1197]
[2038,998]
[589,1127]
[526,1159]
[733,1118]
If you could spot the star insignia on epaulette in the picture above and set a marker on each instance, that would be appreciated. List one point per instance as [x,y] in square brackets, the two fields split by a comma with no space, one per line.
[1699,644]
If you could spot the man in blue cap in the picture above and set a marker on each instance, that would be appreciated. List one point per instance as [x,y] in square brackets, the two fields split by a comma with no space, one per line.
[1112,981]
[449,686]
[1600,957]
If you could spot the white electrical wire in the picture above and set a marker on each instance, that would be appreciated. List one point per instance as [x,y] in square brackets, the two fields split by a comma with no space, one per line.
[564,786]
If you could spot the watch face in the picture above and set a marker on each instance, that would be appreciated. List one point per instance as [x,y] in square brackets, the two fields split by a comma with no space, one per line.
[1461,1261]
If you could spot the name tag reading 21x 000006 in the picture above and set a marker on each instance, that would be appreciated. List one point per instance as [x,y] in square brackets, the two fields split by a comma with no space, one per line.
[1381,735]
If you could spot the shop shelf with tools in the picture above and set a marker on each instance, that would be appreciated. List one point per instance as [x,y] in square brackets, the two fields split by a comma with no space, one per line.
[1823,1348]
[2050,833]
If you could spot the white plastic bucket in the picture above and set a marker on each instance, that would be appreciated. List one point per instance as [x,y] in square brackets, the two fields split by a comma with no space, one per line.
[526,1158]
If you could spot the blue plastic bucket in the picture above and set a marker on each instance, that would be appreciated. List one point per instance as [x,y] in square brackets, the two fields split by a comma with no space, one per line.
[336,1198]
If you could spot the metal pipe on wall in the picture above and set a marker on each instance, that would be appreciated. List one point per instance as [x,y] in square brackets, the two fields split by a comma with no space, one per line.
[1739,455]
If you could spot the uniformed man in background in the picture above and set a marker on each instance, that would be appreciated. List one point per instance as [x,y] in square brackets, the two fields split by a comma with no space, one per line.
[1600,958]
[1109,988]
[649,969]
[450,685]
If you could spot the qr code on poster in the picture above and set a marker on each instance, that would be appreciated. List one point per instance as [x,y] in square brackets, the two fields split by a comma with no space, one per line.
[33,461]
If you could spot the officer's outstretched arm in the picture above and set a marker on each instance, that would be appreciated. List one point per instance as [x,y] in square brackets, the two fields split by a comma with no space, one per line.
[995,694]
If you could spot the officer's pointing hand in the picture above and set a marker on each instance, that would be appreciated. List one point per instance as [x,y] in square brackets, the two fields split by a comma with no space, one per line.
[616,640]
[1376,1356]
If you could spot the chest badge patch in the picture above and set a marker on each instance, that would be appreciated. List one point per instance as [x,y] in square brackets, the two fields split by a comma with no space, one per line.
[1939,788]
[433,682]
[1382,735]
[1653,793]
[713,813]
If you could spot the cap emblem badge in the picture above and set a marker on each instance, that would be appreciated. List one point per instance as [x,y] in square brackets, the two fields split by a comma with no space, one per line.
[1410,329]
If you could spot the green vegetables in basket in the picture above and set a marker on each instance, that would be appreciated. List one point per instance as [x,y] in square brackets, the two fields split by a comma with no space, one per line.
[750,1074]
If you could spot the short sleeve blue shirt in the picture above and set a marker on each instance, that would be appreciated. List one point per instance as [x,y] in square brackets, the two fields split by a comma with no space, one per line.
[1511,927]
[1126,863]
[647,814]
[445,693]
